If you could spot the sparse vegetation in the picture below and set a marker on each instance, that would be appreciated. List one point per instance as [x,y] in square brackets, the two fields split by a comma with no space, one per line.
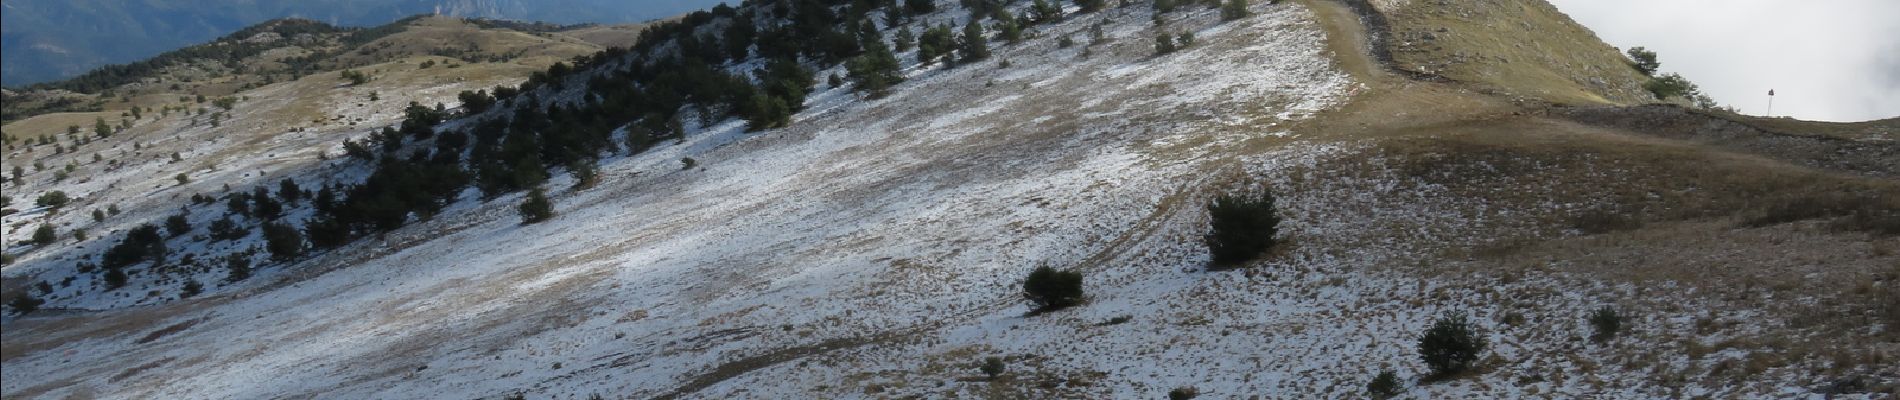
[1384,386]
[284,242]
[1643,60]
[1052,290]
[1183,393]
[1234,9]
[45,235]
[1243,227]
[141,244]
[992,367]
[53,199]
[1606,322]
[1451,346]
[536,208]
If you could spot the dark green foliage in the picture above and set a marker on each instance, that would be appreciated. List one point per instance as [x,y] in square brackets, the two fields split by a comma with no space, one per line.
[45,235]
[54,199]
[326,232]
[1164,43]
[1671,85]
[1606,322]
[1183,393]
[420,121]
[238,203]
[920,6]
[238,267]
[283,241]
[993,367]
[1384,386]
[263,206]
[1643,60]
[98,215]
[226,229]
[972,46]
[903,40]
[100,128]
[115,278]
[1052,290]
[536,208]
[25,303]
[875,71]
[355,78]
[1091,5]
[1243,225]
[1451,346]
[1164,6]
[936,43]
[1233,10]
[475,102]
[177,225]
[141,244]
[190,289]
[289,191]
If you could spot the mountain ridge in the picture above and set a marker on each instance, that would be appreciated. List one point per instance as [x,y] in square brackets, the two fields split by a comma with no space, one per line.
[872,244]
[49,40]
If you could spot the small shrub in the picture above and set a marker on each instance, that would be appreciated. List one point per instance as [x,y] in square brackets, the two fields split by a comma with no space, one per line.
[238,267]
[536,208]
[191,288]
[992,367]
[1053,290]
[177,225]
[1606,322]
[115,278]
[1233,10]
[1384,386]
[1243,227]
[54,200]
[45,235]
[1451,345]
[1183,393]
[25,303]
[284,241]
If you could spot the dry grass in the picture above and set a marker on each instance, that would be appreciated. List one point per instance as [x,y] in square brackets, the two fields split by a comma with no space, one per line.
[1525,48]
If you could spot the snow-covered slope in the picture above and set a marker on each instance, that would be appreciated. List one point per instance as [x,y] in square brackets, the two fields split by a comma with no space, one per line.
[875,249]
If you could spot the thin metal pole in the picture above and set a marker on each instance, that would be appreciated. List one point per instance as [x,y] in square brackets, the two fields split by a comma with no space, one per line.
[1771,103]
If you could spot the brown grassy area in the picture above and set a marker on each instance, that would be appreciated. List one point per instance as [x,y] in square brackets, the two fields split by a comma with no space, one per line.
[1525,48]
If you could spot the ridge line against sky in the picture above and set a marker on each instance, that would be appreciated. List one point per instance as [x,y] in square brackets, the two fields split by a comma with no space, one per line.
[1828,60]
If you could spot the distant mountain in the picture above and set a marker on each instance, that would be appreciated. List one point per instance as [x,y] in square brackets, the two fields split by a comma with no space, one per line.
[46,40]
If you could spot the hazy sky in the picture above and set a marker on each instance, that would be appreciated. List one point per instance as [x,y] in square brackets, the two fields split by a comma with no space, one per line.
[1834,60]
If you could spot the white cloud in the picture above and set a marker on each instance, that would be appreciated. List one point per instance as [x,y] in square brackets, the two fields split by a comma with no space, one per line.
[1835,60]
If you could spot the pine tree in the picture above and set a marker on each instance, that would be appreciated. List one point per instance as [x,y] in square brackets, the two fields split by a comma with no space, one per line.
[45,235]
[875,71]
[283,241]
[1243,227]
[1053,290]
[1451,345]
[178,225]
[904,39]
[238,268]
[1091,5]
[536,208]
[1233,10]
[973,46]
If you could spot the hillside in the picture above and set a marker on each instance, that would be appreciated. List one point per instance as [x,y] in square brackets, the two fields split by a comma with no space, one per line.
[871,243]
[54,40]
